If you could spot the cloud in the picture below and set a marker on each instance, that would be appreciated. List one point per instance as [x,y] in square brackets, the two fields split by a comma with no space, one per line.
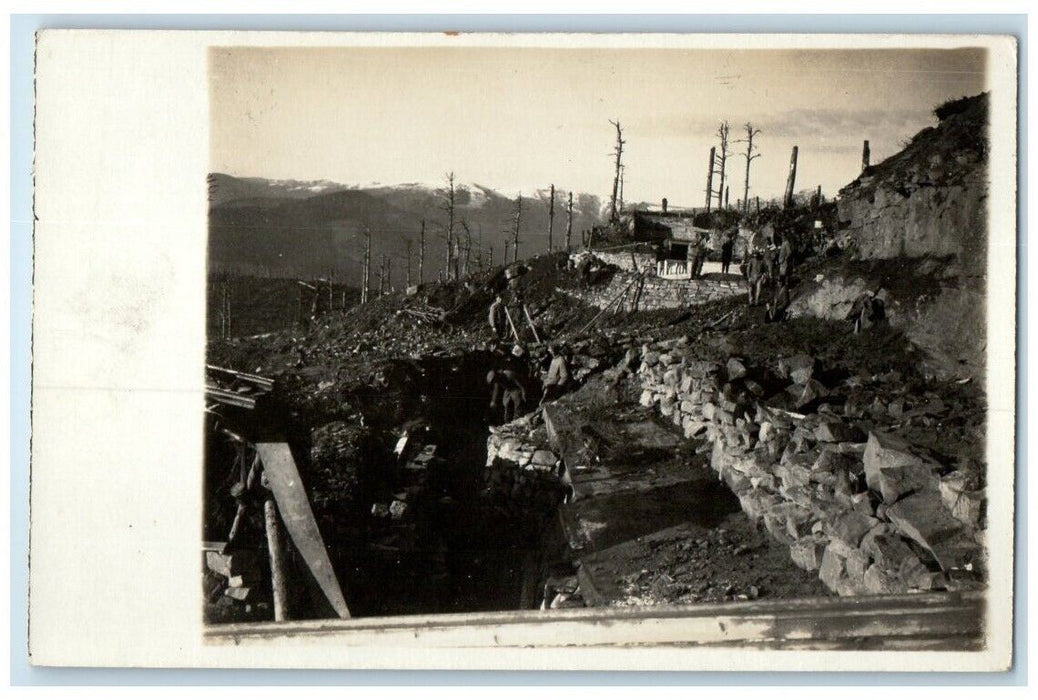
[806,124]
[828,123]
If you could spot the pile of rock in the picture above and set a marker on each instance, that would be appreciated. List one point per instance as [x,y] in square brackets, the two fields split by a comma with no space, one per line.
[852,500]
[522,471]
[236,580]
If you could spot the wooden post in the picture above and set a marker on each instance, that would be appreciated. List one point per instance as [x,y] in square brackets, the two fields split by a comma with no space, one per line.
[529,320]
[710,180]
[276,549]
[421,255]
[865,153]
[551,216]
[512,325]
[787,201]
[569,221]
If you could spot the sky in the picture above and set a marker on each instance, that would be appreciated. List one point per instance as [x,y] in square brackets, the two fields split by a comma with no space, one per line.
[518,119]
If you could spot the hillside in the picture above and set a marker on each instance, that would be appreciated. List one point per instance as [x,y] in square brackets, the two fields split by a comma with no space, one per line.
[917,225]
[305,229]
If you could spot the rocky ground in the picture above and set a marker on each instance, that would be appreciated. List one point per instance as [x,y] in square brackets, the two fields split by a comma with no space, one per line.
[668,529]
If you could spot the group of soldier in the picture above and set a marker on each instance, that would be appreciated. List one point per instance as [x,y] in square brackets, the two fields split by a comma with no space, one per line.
[768,268]
[510,377]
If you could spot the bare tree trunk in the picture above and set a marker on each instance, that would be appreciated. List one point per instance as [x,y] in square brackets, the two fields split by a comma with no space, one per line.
[366,282]
[409,263]
[569,221]
[722,133]
[389,275]
[382,276]
[421,255]
[506,253]
[749,156]
[515,232]
[620,205]
[710,179]
[616,176]
[787,201]
[450,224]
[865,153]
[468,248]
[551,216]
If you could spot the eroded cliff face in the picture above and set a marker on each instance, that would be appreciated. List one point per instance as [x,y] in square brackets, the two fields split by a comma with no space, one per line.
[918,221]
[929,199]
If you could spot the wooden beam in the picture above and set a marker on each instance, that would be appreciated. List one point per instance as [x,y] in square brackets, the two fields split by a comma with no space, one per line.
[945,621]
[294,507]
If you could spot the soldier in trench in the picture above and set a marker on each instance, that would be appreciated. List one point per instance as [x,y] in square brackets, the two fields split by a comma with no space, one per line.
[496,317]
[558,374]
[727,248]
[868,310]
[756,273]
[506,390]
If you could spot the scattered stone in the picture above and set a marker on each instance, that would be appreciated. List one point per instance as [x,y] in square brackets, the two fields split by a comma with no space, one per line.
[851,526]
[735,368]
[838,431]
[797,363]
[879,582]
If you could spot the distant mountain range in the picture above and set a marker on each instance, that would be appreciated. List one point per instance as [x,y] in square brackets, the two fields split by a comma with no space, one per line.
[315,228]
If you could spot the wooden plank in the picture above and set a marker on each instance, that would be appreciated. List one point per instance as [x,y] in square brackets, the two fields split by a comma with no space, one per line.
[283,478]
[949,621]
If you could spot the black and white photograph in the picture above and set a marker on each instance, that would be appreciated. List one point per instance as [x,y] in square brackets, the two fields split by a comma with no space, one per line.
[506,329]
[609,341]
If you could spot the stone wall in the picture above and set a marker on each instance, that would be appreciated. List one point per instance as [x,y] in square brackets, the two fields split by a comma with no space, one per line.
[869,512]
[521,470]
[627,261]
[656,293]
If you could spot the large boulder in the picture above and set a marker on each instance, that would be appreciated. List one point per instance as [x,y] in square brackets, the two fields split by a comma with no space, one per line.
[923,518]
[893,470]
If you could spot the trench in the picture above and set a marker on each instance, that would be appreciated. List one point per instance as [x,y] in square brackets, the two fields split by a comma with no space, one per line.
[458,547]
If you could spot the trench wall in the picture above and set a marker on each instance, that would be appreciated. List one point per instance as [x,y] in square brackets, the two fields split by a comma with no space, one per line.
[521,470]
[867,511]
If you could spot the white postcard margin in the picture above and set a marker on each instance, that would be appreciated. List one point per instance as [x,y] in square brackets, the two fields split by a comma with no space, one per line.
[118,354]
